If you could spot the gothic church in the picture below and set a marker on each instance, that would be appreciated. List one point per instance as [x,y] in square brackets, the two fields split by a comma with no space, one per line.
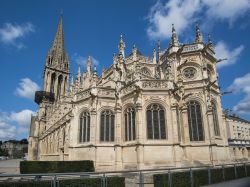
[141,112]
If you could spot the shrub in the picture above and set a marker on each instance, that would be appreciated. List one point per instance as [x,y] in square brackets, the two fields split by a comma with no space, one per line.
[56,166]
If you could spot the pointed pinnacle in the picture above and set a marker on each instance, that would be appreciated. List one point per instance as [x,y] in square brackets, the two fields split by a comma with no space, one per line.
[173,29]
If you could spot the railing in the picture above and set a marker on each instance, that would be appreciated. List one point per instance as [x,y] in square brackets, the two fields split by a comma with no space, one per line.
[138,178]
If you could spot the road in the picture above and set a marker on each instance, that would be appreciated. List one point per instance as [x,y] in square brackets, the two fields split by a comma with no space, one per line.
[10,166]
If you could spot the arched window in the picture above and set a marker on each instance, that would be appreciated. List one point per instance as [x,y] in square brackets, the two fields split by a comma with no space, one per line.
[129,116]
[156,122]
[84,134]
[107,126]
[195,121]
[59,86]
[215,120]
[52,82]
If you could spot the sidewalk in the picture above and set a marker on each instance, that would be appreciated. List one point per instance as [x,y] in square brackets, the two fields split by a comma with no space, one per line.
[243,182]
[10,166]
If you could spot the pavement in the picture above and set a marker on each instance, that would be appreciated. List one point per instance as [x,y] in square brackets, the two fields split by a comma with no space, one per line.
[243,182]
[10,166]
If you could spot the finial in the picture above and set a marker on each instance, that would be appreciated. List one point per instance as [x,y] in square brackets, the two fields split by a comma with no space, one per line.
[95,71]
[174,39]
[209,39]
[121,46]
[158,50]
[210,43]
[72,80]
[198,35]
[154,56]
[89,64]
[134,51]
[173,29]
[159,45]
[79,69]
[61,12]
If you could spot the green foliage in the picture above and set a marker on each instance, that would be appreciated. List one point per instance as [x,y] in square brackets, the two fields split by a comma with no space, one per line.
[179,179]
[93,182]
[229,173]
[200,177]
[216,175]
[3,152]
[248,170]
[241,171]
[56,166]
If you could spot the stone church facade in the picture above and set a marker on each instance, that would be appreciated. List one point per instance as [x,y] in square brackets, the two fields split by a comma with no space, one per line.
[141,112]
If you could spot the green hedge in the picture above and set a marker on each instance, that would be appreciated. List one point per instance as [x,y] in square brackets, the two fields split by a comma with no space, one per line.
[200,177]
[216,175]
[56,166]
[94,182]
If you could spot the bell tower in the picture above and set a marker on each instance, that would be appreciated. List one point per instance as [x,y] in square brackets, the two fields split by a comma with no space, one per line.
[57,67]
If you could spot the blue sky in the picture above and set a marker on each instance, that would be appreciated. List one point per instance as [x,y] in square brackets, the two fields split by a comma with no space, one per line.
[27,29]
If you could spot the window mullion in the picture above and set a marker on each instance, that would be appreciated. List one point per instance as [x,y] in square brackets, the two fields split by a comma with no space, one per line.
[159,124]
[191,121]
[152,123]
[130,125]
[104,130]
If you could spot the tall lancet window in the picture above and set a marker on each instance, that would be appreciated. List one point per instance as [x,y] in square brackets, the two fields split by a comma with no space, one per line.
[52,82]
[156,128]
[195,121]
[107,126]
[129,119]
[215,120]
[84,130]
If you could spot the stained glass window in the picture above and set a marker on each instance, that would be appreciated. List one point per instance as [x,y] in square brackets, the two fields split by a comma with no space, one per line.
[129,117]
[84,127]
[195,121]
[156,128]
[107,126]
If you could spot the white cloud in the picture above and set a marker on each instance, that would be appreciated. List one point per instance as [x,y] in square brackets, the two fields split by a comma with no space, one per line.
[228,10]
[22,117]
[241,85]
[7,131]
[223,51]
[14,123]
[84,60]
[178,12]
[183,13]
[11,34]
[27,88]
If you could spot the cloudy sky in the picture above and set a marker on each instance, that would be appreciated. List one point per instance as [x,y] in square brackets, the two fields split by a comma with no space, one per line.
[27,29]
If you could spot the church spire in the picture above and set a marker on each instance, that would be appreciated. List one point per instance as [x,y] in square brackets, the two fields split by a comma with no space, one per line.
[58,44]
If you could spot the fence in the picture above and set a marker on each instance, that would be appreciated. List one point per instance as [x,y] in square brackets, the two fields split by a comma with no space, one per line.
[164,177]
